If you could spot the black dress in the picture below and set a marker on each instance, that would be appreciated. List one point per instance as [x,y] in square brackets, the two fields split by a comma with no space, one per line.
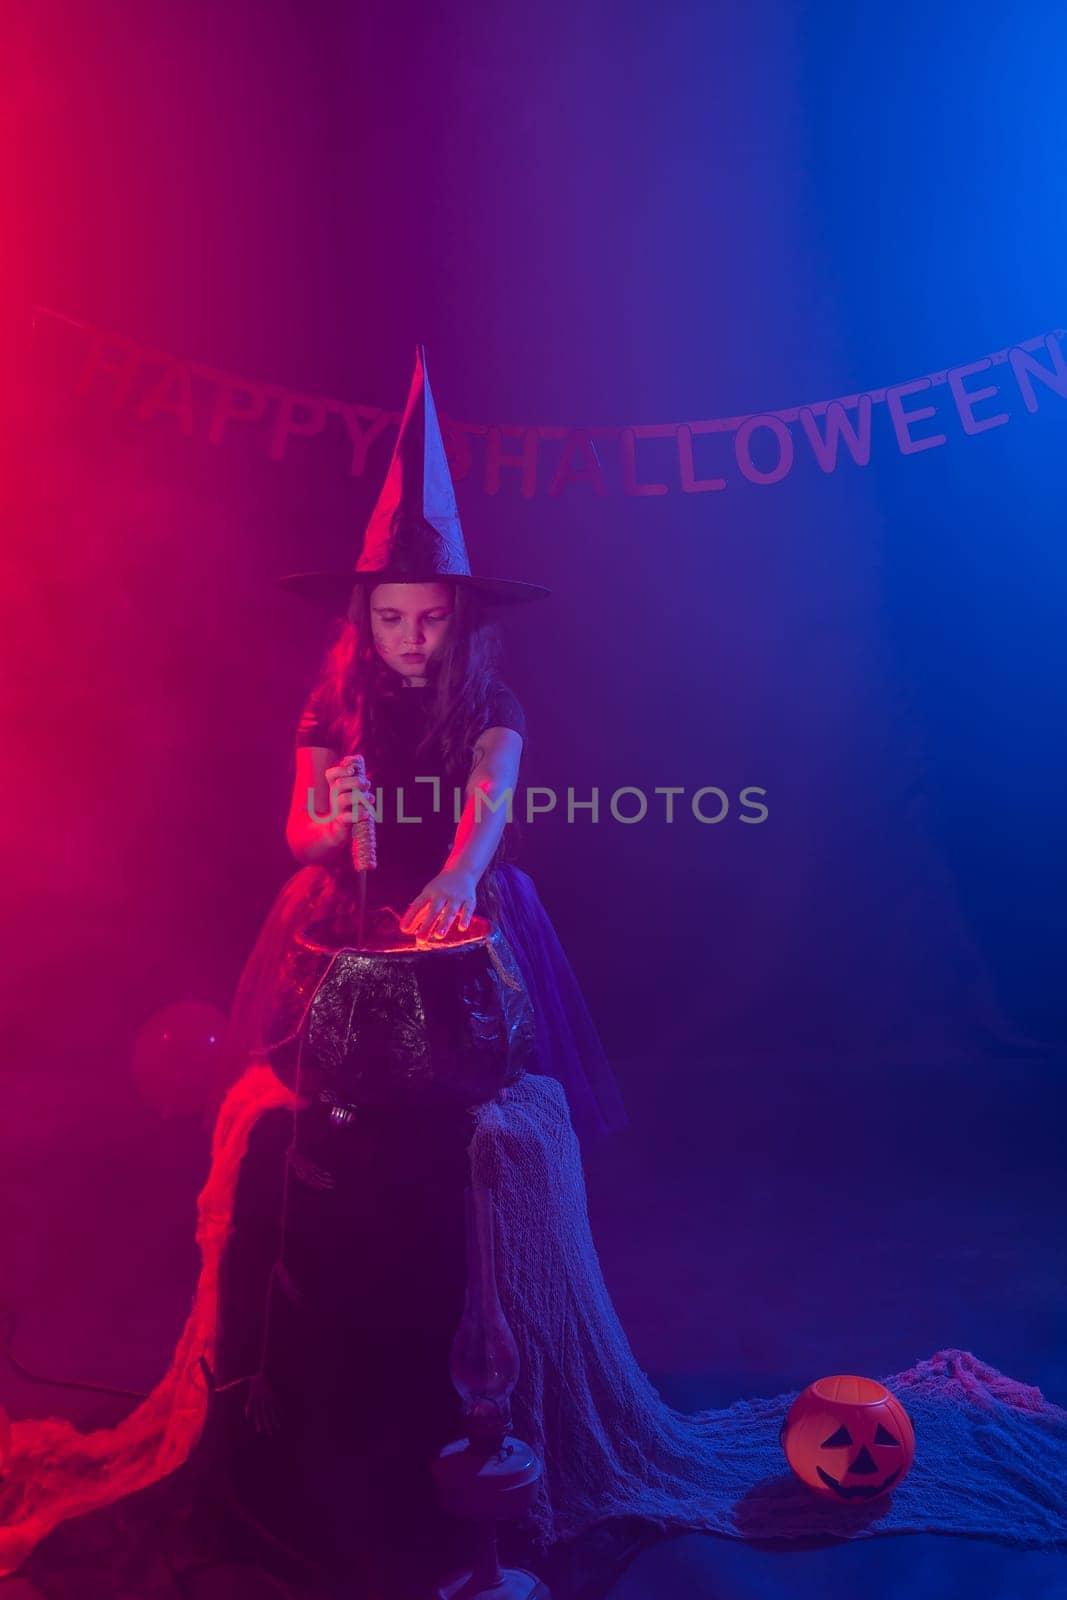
[418,797]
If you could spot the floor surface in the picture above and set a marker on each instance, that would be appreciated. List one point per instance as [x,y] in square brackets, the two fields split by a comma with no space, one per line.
[761,1223]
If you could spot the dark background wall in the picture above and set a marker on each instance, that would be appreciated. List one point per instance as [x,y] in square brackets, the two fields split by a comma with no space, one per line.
[589,215]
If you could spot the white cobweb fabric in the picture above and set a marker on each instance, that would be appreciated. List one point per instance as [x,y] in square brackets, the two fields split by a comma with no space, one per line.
[991,1453]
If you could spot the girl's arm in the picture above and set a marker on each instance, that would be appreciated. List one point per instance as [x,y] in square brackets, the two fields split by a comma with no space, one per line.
[494,776]
[489,795]
[311,842]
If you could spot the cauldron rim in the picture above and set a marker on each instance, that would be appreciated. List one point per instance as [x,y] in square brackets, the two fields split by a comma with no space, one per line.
[311,937]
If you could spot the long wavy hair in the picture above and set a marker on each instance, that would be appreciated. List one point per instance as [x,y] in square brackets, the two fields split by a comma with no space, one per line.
[355,687]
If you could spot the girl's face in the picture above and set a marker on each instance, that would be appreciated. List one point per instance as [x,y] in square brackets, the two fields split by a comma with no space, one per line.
[410,622]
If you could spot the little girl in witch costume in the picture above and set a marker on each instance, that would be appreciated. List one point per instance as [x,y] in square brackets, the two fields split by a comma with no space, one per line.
[312,1373]
[366,1291]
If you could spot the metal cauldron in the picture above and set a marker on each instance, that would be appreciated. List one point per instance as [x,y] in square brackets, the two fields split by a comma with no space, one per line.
[401,1023]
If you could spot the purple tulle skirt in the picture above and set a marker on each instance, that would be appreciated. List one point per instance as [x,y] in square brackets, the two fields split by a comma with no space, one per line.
[568,1046]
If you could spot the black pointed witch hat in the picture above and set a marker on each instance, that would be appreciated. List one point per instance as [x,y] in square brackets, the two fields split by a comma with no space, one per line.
[414,533]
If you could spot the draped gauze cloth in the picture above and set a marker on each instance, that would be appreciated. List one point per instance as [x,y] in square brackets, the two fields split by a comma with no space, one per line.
[991,1453]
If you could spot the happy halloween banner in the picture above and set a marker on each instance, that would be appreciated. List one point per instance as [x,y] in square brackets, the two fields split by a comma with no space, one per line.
[652,458]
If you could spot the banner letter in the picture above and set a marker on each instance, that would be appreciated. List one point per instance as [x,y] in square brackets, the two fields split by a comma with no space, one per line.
[691,484]
[965,403]
[288,423]
[839,426]
[227,408]
[578,446]
[176,378]
[495,459]
[630,436]
[1024,366]
[902,419]
[122,368]
[743,454]
[363,438]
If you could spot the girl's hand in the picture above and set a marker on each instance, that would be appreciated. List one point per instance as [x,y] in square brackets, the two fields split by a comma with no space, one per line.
[446,898]
[344,785]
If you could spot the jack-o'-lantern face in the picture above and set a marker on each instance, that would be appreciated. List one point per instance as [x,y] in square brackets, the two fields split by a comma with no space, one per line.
[848,1438]
[865,1461]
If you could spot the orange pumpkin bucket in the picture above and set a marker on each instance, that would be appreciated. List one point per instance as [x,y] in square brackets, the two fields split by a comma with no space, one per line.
[848,1438]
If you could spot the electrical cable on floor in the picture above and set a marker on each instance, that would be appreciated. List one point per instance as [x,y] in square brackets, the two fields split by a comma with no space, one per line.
[8,1324]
